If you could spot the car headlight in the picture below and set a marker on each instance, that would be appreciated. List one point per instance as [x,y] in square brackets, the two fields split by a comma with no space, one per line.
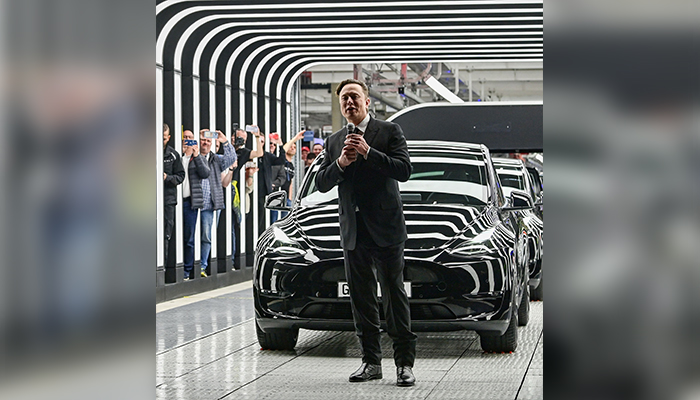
[283,246]
[470,250]
[478,246]
[288,251]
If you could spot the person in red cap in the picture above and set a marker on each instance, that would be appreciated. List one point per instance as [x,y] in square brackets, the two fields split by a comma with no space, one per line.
[304,152]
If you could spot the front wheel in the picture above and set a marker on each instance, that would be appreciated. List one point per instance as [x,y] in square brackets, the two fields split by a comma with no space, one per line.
[277,339]
[501,343]
[538,292]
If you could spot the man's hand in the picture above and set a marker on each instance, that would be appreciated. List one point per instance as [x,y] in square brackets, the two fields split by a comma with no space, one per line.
[357,142]
[165,175]
[195,150]
[299,136]
[347,157]
[249,172]
[222,138]
[257,130]
[188,150]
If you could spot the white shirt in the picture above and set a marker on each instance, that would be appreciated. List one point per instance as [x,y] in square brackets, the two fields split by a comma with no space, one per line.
[362,126]
[186,182]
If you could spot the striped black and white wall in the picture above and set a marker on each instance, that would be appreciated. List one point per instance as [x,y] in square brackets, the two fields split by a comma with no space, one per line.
[225,62]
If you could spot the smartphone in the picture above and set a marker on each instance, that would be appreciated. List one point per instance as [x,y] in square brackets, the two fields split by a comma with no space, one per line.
[251,128]
[190,142]
[249,164]
[210,134]
[235,126]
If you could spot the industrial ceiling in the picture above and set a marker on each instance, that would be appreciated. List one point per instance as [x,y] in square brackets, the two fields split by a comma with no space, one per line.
[225,62]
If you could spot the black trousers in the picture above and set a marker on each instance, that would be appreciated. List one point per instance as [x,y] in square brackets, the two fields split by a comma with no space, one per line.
[363,266]
[169,222]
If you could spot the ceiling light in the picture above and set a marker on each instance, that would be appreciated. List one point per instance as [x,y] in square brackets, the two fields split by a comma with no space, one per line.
[440,89]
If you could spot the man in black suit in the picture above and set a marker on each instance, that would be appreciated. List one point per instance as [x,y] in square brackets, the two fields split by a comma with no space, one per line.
[367,165]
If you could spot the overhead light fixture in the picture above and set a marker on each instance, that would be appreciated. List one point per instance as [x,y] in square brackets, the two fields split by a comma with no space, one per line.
[440,89]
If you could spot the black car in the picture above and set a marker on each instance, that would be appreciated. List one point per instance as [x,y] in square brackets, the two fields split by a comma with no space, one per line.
[515,176]
[465,257]
[537,190]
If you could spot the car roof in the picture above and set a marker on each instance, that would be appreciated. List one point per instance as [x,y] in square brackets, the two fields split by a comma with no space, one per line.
[507,162]
[446,149]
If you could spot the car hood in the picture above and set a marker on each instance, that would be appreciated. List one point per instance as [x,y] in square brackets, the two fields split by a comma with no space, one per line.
[429,226]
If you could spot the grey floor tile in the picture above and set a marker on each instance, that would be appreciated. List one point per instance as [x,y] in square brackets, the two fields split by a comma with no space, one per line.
[208,350]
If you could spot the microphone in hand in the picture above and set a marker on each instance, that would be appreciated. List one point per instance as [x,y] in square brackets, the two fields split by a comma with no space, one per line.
[347,157]
[349,154]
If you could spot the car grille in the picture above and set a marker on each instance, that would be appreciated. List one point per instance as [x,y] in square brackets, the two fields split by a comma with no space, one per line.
[343,311]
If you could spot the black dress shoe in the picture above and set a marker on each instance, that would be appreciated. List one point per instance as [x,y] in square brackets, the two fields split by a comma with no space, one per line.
[367,372]
[404,376]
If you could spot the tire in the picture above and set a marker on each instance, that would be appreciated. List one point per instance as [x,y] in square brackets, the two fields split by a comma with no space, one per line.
[538,292]
[277,339]
[524,308]
[501,343]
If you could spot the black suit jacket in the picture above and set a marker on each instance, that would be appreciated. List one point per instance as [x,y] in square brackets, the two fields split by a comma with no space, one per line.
[371,185]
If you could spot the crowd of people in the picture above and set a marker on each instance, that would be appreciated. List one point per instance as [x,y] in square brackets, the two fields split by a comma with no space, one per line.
[205,172]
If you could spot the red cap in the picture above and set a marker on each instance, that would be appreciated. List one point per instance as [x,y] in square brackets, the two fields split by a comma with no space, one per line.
[305,148]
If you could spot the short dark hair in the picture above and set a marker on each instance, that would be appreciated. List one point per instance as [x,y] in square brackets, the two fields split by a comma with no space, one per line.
[342,84]
[311,156]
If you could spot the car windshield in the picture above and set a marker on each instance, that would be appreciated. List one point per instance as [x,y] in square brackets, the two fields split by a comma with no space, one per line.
[535,179]
[511,179]
[435,180]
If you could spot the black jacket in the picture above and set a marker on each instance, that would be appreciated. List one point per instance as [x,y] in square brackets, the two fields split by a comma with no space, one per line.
[371,185]
[172,166]
[197,170]
[266,176]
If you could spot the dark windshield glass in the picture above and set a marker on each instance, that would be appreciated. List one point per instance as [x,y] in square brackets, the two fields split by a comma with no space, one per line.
[435,180]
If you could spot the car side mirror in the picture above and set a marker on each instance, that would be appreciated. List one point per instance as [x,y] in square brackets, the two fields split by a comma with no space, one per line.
[277,201]
[540,199]
[519,201]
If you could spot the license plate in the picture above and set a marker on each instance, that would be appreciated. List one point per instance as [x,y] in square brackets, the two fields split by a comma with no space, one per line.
[344,289]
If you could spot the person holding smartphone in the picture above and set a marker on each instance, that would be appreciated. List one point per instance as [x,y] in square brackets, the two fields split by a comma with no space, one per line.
[266,177]
[232,177]
[212,190]
[192,197]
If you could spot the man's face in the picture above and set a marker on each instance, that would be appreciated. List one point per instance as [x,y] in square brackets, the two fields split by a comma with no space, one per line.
[166,137]
[273,147]
[318,149]
[240,133]
[353,103]
[204,146]
[304,153]
[187,135]
[292,149]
